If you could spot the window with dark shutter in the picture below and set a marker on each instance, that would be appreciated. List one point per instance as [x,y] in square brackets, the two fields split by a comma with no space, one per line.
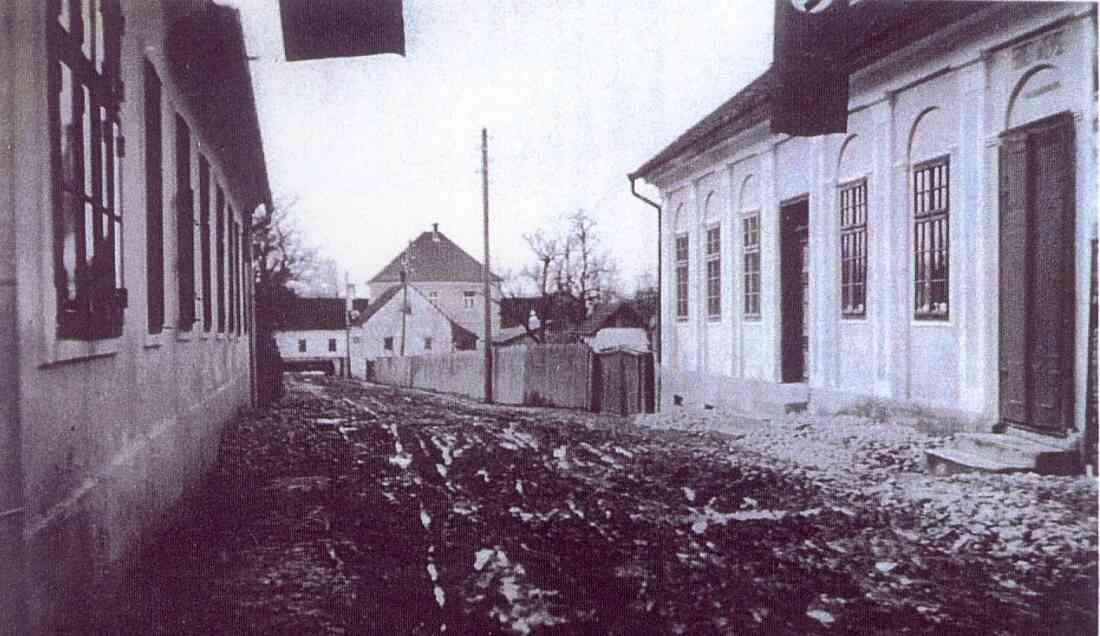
[931,210]
[682,277]
[751,235]
[185,227]
[219,256]
[853,249]
[204,244]
[154,200]
[86,148]
[231,267]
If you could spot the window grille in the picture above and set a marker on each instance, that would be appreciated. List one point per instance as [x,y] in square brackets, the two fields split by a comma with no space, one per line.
[86,148]
[751,232]
[931,211]
[853,249]
[682,277]
[714,272]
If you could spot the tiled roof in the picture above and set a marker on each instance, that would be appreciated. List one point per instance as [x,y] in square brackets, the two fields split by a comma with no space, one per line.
[433,260]
[304,314]
[879,28]
[602,314]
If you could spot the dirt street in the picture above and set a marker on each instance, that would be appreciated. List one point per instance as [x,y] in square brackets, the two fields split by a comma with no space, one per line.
[361,509]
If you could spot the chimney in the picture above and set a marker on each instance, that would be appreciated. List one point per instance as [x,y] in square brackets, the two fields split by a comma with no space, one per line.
[435,232]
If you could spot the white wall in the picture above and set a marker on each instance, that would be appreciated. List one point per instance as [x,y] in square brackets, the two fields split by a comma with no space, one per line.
[953,97]
[424,321]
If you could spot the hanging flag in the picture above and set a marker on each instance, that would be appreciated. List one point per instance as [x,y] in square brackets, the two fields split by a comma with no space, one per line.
[810,81]
[316,29]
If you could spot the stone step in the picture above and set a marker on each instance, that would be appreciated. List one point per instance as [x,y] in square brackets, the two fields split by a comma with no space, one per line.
[999,453]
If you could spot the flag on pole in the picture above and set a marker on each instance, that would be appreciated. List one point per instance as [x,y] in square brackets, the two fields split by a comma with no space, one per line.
[316,29]
[810,89]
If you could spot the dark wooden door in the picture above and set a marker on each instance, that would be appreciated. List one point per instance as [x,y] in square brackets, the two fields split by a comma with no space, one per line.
[795,286]
[1036,275]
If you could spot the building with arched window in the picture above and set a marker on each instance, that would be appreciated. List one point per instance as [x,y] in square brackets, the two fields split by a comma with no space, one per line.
[936,255]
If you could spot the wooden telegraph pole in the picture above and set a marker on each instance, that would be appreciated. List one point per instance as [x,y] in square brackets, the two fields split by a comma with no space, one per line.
[485,266]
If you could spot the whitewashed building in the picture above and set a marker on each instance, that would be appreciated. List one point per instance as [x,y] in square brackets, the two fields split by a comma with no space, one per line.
[935,255]
[130,165]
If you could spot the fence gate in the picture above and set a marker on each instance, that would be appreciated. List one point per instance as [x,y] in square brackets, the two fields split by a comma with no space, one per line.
[622,382]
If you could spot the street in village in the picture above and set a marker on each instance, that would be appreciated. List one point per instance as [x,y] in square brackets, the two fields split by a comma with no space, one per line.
[349,507]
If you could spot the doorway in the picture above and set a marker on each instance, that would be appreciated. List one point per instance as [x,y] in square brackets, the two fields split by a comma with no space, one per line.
[1036,276]
[794,290]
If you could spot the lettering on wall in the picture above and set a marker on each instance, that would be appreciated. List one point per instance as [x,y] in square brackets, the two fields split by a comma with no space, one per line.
[1044,47]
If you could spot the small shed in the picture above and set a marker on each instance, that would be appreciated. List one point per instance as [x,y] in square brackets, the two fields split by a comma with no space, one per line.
[622,381]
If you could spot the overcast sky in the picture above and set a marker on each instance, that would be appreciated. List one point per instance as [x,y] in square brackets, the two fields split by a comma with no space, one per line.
[574,94]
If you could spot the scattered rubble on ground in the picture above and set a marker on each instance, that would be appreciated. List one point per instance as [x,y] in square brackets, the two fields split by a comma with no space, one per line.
[366,509]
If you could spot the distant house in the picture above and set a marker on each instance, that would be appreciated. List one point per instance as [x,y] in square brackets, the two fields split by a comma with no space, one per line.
[553,318]
[448,276]
[390,327]
[313,333]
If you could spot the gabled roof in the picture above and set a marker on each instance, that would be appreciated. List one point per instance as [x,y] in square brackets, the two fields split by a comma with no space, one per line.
[603,314]
[878,29]
[307,314]
[433,258]
[458,332]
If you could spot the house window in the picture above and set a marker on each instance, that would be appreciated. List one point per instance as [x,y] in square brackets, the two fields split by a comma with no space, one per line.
[356,340]
[427,344]
[751,229]
[387,343]
[154,197]
[204,242]
[682,277]
[86,147]
[714,272]
[853,249]
[301,345]
[219,255]
[231,270]
[332,344]
[433,295]
[468,299]
[240,285]
[185,227]
[931,210]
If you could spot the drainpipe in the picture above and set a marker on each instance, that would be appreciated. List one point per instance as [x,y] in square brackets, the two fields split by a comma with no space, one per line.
[660,282]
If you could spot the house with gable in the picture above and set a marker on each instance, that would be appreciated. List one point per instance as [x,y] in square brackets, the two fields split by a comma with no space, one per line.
[447,276]
[403,321]
[313,334]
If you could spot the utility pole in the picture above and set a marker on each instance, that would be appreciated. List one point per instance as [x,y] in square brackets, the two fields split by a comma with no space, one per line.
[485,266]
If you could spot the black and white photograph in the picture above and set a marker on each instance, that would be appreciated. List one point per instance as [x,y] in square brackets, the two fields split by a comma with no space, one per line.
[550,317]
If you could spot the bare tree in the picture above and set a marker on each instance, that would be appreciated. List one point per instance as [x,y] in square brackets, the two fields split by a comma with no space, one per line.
[279,258]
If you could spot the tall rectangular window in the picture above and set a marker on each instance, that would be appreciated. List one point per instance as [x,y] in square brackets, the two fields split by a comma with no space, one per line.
[714,272]
[387,343]
[751,230]
[86,150]
[185,227]
[468,299]
[219,255]
[332,344]
[931,211]
[853,249]
[154,200]
[241,281]
[204,243]
[231,257]
[301,345]
[682,277]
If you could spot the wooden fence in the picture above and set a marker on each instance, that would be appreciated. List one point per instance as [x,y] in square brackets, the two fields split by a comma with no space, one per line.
[540,375]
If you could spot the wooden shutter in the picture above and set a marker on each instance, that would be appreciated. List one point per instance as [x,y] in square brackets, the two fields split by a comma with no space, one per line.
[1014,280]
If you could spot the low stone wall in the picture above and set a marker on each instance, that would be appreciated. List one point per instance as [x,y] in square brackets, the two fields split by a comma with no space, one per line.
[547,375]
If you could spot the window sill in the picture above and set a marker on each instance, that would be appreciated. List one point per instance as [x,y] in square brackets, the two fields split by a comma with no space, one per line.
[155,340]
[931,322]
[220,336]
[854,320]
[714,318]
[185,336]
[64,351]
[753,319]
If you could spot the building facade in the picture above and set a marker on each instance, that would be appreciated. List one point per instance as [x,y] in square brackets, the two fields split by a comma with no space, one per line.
[448,276]
[125,281]
[937,254]
[405,324]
